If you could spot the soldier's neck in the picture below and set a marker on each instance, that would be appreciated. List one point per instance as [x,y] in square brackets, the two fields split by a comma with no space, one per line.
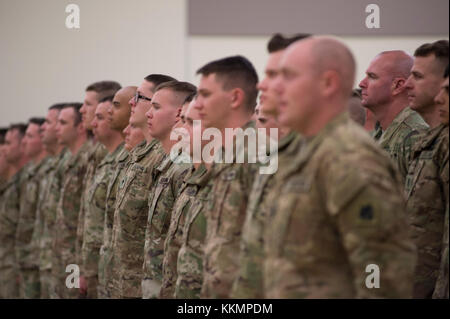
[167,143]
[113,142]
[387,113]
[43,154]
[430,115]
[75,147]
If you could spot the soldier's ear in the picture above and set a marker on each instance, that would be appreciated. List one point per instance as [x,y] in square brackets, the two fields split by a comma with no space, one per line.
[398,86]
[237,97]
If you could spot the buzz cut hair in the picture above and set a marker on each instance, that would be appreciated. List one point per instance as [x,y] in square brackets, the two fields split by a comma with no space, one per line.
[235,72]
[36,120]
[180,89]
[57,106]
[76,110]
[108,98]
[279,42]
[158,79]
[104,88]
[20,127]
[439,49]
[3,131]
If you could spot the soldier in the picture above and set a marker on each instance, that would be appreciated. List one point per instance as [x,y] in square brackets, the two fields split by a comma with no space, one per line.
[226,99]
[50,187]
[29,285]
[384,93]
[9,211]
[426,185]
[4,167]
[96,196]
[118,116]
[248,283]
[338,209]
[441,289]
[72,134]
[172,278]
[131,207]
[191,238]
[163,117]
[95,92]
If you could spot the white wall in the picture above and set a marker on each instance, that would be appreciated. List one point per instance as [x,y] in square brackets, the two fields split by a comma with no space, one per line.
[42,62]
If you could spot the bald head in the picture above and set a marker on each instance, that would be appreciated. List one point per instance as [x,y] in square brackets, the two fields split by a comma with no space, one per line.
[119,113]
[397,63]
[317,76]
[329,54]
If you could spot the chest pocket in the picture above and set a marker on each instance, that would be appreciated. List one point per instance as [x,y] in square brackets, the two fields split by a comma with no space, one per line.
[134,184]
[295,191]
[159,219]
[196,222]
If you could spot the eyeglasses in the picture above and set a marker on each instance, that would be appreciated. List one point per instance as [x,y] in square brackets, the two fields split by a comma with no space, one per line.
[137,96]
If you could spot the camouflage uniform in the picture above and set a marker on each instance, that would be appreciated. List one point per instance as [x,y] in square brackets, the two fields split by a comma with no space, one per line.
[226,213]
[9,216]
[48,202]
[174,235]
[339,208]
[96,154]
[25,254]
[427,204]
[399,137]
[189,264]
[249,283]
[130,219]
[65,229]
[105,255]
[161,200]
[95,201]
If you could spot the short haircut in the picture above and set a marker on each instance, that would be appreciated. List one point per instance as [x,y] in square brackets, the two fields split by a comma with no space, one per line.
[57,106]
[158,79]
[108,98]
[279,42]
[439,49]
[190,98]
[3,131]
[104,88]
[76,108]
[20,127]
[180,89]
[36,120]
[446,72]
[235,72]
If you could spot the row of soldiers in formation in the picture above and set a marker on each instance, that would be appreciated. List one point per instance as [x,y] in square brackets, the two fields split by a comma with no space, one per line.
[94,186]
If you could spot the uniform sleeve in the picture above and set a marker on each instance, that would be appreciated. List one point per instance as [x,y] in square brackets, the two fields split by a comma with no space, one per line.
[366,205]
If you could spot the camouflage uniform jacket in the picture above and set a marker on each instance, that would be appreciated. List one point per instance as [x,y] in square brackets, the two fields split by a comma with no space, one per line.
[130,219]
[339,208]
[190,257]
[96,154]
[27,216]
[225,215]
[49,198]
[174,236]
[94,218]
[161,200]
[249,283]
[399,137]
[427,200]
[9,217]
[65,228]
[42,177]
[104,264]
